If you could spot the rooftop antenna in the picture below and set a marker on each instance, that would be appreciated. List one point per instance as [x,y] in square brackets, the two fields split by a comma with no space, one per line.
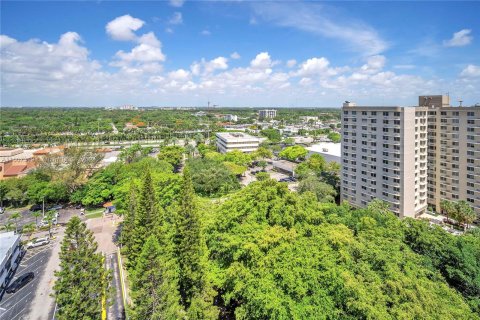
[460,102]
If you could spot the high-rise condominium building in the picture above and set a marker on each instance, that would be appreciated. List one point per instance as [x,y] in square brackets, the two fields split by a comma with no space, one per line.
[384,156]
[411,157]
[267,113]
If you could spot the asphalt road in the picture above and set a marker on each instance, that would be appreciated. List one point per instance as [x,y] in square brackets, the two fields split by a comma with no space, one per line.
[117,310]
[16,306]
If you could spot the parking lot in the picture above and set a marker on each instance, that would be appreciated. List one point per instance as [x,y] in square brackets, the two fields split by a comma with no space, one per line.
[33,301]
[17,305]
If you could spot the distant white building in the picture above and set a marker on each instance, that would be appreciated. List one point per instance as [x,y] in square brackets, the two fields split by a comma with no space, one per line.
[308,118]
[10,254]
[267,113]
[200,114]
[329,150]
[230,118]
[229,141]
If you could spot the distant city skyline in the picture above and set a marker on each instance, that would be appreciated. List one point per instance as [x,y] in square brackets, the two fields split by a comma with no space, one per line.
[237,54]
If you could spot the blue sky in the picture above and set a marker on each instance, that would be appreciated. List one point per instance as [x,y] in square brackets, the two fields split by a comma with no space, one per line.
[237,53]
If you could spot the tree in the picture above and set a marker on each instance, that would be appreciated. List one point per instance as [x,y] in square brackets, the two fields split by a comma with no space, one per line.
[263,152]
[82,280]
[36,214]
[49,217]
[293,153]
[188,243]
[464,213]
[262,176]
[447,207]
[146,218]
[3,192]
[212,178]
[154,292]
[15,216]
[334,136]
[323,191]
[172,154]
[272,134]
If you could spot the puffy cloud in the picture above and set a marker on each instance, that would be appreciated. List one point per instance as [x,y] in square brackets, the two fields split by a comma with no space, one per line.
[313,66]
[470,71]
[122,28]
[459,39]
[179,75]
[374,64]
[219,63]
[205,32]
[177,3]
[261,61]
[235,55]
[148,50]
[176,18]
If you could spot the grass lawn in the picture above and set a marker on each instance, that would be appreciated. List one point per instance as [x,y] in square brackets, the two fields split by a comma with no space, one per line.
[95,213]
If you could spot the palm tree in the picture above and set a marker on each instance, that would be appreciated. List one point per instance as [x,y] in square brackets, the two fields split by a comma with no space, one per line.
[465,214]
[8,226]
[15,217]
[36,214]
[446,207]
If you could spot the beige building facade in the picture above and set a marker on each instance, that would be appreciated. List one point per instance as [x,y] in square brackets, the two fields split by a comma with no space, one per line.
[411,157]
[384,156]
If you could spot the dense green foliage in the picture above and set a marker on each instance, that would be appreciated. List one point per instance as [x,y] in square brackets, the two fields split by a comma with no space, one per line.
[293,153]
[211,177]
[335,137]
[266,252]
[82,281]
[272,134]
[172,155]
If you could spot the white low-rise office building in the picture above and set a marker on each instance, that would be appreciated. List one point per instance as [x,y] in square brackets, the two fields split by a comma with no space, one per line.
[229,141]
[329,150]
[10,254]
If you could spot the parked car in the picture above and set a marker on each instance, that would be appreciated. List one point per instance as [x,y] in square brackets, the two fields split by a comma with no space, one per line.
[78,206]
[20,282]
[56,207]
[36,207]
[38,242]
[2,210]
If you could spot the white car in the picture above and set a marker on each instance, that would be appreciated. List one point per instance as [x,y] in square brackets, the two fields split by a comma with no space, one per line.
[38,242]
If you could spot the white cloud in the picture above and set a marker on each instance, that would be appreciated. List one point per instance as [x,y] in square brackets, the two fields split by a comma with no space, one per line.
[177,3]
[206,67]
[122,28]
[291,63]
[471,71]
[205,32]
[315,18]
[176,18]
[261,61]
[179,75]
[313,66]
[63,73]
[459,39]
[145,56]
[374,64]
[235,56]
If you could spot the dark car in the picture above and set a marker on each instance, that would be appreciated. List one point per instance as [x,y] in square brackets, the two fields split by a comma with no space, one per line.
[20,282]
[36,207]
[78,206]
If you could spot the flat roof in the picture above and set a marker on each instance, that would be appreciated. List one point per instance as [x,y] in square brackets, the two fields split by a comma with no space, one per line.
[7,241]
[236,136]
[331,148]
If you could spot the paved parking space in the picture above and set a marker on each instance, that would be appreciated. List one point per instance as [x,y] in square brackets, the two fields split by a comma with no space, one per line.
[16,306]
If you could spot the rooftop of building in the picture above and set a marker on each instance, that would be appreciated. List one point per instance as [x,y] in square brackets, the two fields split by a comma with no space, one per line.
[236,136]
[7,240]
[331,148]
